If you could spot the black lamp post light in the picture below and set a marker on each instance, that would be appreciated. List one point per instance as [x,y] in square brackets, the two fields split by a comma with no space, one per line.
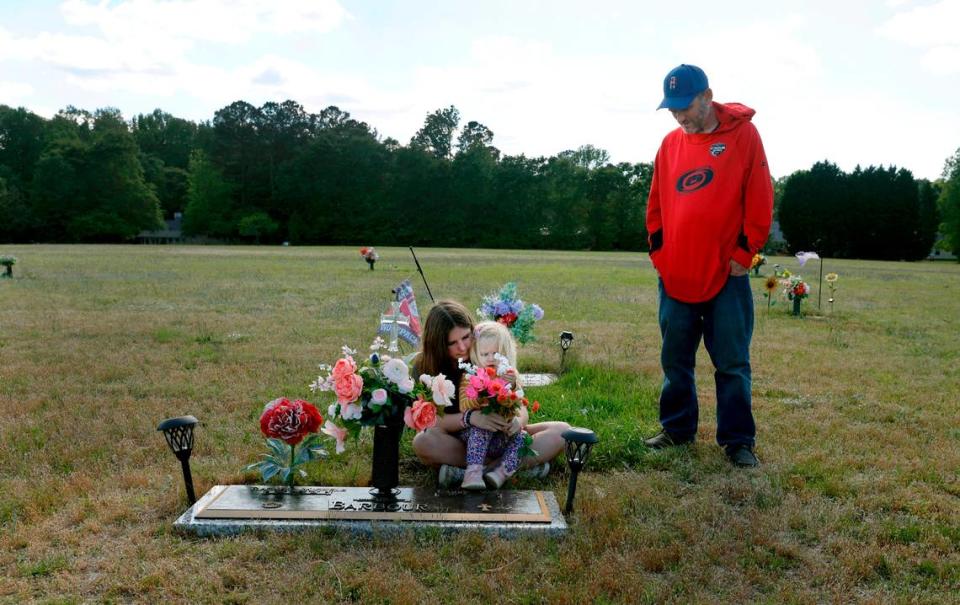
[179,435]
[566,339]
[579,443]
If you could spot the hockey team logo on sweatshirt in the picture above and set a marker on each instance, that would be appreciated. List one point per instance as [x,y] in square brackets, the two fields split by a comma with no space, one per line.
[698,178]
[717,148]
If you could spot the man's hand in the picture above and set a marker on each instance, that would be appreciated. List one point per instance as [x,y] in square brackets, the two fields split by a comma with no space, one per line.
[736,269]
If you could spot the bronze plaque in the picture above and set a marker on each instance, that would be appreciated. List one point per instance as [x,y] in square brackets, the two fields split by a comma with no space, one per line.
[360,503]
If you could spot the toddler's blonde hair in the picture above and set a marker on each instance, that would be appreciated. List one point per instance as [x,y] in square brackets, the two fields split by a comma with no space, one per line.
[492,330]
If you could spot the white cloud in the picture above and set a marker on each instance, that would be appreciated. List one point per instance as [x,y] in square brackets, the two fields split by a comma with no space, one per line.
[14,93]
[151,37]
[933,29]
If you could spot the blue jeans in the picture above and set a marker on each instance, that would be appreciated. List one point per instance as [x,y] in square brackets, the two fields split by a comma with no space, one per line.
[726,325]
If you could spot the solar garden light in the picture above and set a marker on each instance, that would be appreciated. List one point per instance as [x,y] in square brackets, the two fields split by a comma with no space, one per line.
[566,339]
[579,443]
[179,435]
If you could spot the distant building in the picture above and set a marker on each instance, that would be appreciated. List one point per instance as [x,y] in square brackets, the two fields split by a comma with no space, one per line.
[172,233]
[937,253]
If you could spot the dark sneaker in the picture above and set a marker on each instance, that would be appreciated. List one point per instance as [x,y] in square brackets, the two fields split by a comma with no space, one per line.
[742,456]
[664,439]
[450,477]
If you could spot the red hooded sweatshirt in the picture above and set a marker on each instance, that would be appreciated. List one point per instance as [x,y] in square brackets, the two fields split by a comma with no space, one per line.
[711,201]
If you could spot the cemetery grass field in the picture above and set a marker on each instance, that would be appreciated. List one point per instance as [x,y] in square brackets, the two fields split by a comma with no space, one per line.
[857,498]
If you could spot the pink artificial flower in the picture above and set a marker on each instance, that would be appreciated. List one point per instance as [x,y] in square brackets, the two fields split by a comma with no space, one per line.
[378,396]
[351,411]
[348,388]
[421,415]
[471,392]
[443,390]
[343,367]
[337,432]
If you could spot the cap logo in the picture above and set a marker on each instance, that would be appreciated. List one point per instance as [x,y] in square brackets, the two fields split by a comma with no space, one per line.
[717,148]
[673,82]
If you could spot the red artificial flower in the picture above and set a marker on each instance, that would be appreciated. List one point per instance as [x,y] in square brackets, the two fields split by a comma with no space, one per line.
[507,319]
[364,251]
[536,406]
[492,372]
[289,422]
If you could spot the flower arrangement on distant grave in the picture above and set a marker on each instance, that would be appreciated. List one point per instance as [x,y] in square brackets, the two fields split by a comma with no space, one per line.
[758,261]
[795,289]
[287,424]
[7,262]
[370,255]
[507,308]
[378,390]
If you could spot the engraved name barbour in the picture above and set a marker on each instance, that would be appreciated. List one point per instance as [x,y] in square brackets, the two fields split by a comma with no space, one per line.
[389,507]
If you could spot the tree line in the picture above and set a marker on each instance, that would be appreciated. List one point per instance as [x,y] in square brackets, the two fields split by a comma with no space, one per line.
[279,173]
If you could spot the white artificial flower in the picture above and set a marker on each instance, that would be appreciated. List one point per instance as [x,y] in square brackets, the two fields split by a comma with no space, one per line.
[332,410]
[347,350]
[396,371]
[426,379]
[377,344]
[406,385]
[503,364]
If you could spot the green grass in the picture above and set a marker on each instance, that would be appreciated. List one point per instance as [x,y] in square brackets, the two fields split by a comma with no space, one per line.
[857,498]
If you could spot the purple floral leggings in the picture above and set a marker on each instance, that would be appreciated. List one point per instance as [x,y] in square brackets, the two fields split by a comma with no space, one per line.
[482,443]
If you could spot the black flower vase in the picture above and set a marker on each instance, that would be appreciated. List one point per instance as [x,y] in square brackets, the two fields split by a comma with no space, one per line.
[796,306]
[386,456]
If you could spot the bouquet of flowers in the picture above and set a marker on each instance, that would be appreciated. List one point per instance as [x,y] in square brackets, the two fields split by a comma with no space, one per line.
[494,391]
[286,424]
[370,255]
[795,287]
[758,261]
[512,312]
[377,389]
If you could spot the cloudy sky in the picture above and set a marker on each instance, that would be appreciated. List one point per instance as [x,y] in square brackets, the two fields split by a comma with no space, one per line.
[853,82]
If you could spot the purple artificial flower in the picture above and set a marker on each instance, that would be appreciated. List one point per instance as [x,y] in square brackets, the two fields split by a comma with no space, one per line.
[501,308]
[537,312]
[516,306]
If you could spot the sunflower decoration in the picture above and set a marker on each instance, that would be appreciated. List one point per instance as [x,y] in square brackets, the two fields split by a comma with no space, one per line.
[831,279]
[758,261]
[770,286]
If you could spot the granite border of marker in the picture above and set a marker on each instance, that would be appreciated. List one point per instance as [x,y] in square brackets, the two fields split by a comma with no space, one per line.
[187,523]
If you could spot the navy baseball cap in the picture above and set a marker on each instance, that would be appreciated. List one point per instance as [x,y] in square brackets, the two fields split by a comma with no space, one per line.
[682,85]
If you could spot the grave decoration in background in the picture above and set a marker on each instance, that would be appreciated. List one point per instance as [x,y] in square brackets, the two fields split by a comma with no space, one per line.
[758,261]
[507,308]
[7,262]
[832,284]
[370,255]
[795,289]
[402,320]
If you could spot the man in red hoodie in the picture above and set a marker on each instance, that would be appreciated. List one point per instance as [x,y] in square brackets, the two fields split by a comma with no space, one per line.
[709,212]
